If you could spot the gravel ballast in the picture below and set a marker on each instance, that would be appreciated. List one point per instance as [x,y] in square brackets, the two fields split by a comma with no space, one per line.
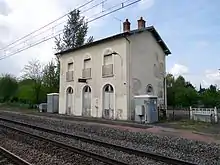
[189,150]
[107,152]
[40,153]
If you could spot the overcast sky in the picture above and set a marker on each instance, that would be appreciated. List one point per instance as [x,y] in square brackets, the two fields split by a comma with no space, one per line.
[189,28]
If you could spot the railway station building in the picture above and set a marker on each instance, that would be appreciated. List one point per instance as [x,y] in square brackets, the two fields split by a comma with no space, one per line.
[100,79]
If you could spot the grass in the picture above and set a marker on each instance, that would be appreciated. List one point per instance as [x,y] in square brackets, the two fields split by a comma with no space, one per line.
[191,125]
[16,107]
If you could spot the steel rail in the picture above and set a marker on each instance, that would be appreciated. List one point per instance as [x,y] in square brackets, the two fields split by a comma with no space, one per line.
[69,148]
[12,157]
[104,144]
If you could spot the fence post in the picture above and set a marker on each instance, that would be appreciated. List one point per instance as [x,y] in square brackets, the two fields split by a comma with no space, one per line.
[190,112]
[216,115]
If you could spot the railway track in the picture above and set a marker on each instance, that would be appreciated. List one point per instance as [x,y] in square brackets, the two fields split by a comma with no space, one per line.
[8,158]
[96,142]
[67,147]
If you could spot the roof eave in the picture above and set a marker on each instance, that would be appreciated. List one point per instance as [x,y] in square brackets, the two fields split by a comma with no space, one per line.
[150,28]
[160,41]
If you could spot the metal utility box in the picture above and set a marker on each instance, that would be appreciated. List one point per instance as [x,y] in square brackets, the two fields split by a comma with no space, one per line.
[52,102]
[146,109]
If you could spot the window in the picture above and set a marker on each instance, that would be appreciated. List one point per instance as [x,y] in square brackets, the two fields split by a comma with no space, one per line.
[108,89]
[150,90]
[107,68]
[69,73]
[87,63]
[86,73]
[70,66]
[108,59]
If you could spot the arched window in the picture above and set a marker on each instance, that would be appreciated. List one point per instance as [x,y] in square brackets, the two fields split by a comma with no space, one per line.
[107,68]
[108,88]
[87,68]
[150,90]
[108,57]
[70,71]
[87,89]
[70,90]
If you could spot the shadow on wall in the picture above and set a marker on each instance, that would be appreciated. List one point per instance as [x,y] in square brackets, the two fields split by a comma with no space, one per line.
[136,86]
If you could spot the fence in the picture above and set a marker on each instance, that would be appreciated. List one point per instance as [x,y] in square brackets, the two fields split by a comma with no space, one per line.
[204,114]
[198,114]
[178,114]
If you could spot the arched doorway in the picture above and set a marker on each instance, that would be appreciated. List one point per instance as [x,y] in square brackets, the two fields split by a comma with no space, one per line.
[108,101]
[86,110]
[69,100]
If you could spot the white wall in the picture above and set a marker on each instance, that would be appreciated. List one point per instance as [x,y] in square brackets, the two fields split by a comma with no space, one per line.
[143,57]
[119,81]
[136,60]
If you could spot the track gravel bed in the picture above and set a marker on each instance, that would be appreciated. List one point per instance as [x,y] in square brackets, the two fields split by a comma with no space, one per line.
[39,153]
[5,161]
[110,153]
[188,150]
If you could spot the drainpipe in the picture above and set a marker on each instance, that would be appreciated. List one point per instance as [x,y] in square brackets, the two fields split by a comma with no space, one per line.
[128,77]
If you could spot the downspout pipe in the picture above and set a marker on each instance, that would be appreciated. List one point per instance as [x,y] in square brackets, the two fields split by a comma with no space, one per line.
[129,77]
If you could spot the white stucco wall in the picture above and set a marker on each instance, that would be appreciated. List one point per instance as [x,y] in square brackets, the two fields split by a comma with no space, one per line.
[143,57]
[135,63]
[118,81]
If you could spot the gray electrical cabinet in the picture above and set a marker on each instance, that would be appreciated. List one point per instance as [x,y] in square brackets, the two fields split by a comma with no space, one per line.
[146,109]
[52,102]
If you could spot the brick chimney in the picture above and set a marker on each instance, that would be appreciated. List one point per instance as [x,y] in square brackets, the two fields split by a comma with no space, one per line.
[126,26]
[141,23]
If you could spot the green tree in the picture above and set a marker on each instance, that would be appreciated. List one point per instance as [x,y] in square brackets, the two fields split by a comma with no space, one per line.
[25,93]
[210,97]
[8,87]
[50,78]
[74,33]
[170,80]
[180,92]
[34,71]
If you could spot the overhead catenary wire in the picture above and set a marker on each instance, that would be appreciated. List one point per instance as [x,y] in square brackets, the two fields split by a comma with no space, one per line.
[47,24]
[51,28]
[123,4]
[29,38]
[13,44]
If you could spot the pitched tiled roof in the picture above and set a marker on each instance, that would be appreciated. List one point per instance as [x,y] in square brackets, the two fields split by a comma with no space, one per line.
[133,32]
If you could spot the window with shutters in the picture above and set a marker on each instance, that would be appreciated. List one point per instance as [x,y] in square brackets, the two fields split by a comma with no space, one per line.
[86,72]
[70,71]
[107,68]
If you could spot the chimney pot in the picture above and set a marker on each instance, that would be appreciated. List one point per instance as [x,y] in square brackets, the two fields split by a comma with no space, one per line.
[141,23]
[126,26]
